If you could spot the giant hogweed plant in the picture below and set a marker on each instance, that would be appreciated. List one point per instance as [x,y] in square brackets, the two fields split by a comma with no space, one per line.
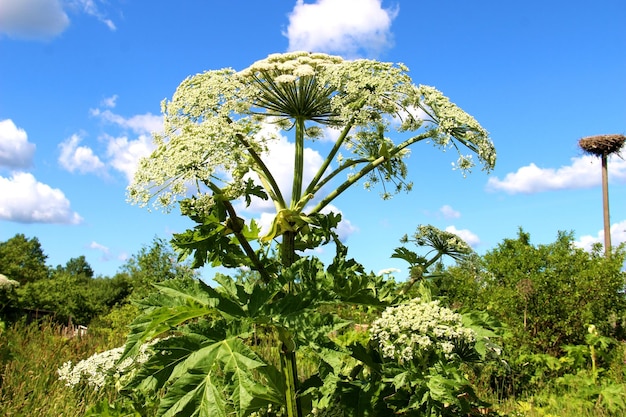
[212,159]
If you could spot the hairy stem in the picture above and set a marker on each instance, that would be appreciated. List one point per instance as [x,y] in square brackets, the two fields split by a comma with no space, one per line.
[236,225]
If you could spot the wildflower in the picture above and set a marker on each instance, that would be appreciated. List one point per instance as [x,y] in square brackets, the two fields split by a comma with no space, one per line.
[212,127]
[101,368]
[413,329]
[6,283]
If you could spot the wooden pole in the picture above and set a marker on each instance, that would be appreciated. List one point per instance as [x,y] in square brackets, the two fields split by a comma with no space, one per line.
[605,206]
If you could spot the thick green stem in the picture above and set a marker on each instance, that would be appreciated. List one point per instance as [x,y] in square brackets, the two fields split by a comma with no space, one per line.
[298,169]
[288,365]
[288,362]
[236,225]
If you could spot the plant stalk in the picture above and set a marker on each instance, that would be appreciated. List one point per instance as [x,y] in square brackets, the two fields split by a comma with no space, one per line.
[366,170]
[298,169]
[288,362]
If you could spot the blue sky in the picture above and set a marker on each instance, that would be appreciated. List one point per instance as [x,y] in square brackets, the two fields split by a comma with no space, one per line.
[81,83]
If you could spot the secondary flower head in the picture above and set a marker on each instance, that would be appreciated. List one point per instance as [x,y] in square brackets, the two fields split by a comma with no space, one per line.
[443,242]
[6,283]
[102,368]
[414,329]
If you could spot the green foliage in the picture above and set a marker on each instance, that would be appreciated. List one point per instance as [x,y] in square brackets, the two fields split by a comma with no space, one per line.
[72,293]
[23,259]
[153,264]
[77,266]
[546,294]
[577,381]
[77,298]
[418,371]
[115,322]
[209,363]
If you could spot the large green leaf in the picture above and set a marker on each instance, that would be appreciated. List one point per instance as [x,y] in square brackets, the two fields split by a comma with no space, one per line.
[223,378]
[179,302]
[170,353]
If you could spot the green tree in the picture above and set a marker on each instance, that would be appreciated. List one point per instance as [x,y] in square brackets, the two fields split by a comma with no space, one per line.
[77,266]
[73,294]
[153,264]
[547,294]
[8,299]
[23,259]
[217,130]
[66,295]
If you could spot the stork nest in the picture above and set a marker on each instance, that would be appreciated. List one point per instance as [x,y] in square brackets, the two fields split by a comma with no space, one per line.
[602,144]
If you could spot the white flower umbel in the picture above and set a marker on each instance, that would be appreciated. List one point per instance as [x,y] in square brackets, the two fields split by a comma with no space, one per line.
[102,368]
[414,329]
[211,141]
[7,284]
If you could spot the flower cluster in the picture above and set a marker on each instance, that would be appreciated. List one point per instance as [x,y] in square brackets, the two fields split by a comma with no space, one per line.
[6,283]
[444,242]
[451,122]
[102,368]
[213,125]
[411,330]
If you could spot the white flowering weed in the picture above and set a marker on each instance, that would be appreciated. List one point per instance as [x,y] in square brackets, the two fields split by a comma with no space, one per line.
[7,284]
[414,329]
[102,368]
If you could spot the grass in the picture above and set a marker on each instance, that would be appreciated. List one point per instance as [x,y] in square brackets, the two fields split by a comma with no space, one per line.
[30,355]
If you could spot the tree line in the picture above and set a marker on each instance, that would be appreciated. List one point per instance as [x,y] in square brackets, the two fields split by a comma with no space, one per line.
[72,292]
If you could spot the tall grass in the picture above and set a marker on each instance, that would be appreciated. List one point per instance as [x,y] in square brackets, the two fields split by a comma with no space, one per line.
[30,355]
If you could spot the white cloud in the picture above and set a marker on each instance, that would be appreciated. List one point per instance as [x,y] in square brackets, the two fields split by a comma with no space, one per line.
[15,150]
[469,237]
[32,19]
[122,154]
[618,235]
[25,200]
[104,250]
[140,123]
[44,19]
[340,26]
[449,213]
[90,8]
[389,271]
[109,102]
[125,154]
[79,158]
[583,172]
